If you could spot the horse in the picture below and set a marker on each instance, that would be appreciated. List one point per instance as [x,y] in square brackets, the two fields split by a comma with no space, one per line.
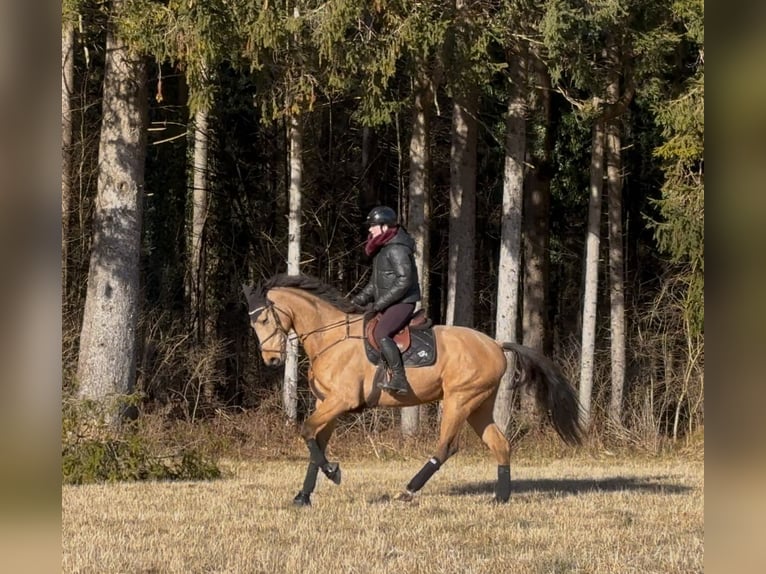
[465,377]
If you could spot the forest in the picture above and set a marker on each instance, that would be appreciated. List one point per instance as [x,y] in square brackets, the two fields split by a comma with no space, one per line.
[546,156]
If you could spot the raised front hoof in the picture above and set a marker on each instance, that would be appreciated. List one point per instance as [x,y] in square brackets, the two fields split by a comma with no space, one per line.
[332,471]
[302,499]
[405,496]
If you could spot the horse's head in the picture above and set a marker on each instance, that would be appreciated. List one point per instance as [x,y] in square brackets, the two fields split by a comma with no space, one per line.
[270,325]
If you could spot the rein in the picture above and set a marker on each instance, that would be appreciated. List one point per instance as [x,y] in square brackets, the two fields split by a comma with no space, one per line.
[302,337]
[331,326]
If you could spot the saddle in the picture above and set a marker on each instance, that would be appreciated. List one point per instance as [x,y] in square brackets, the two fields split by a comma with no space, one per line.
[403,339]
[415,341]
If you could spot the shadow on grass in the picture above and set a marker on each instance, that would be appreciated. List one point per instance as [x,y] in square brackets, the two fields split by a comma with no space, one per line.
[566,486]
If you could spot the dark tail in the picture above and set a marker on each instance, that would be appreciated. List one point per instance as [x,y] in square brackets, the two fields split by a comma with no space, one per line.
[555,396]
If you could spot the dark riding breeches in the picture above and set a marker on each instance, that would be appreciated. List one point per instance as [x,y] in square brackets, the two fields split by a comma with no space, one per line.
[393,319]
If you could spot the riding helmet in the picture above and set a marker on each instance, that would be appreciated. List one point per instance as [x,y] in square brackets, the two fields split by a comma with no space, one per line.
[381,215]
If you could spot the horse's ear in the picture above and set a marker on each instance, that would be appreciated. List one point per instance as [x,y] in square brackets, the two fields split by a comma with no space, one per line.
[249,291]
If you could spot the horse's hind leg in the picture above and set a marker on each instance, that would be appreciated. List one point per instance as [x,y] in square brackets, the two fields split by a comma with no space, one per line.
[482,422]
[303,498]
[453,417]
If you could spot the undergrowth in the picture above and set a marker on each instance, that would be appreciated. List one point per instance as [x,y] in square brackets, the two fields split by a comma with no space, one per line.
[264,433]
[161,447]
[92,451]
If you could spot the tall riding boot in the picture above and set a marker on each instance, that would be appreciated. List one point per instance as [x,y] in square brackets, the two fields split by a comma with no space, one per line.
[398,383]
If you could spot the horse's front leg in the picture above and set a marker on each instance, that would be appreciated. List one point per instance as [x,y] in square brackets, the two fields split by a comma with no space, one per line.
[303,498]
[316,431]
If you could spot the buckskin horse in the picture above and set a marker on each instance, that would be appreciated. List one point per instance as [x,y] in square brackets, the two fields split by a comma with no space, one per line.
[465,377]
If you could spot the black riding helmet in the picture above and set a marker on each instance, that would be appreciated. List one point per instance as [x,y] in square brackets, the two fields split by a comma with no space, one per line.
[381,215]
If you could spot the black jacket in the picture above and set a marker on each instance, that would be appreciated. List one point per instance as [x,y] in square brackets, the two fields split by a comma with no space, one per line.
[394,275]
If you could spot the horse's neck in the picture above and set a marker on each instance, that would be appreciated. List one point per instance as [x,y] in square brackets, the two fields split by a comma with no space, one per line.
[317,322]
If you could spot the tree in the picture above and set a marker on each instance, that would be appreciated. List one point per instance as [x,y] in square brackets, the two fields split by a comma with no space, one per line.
[419,201]
[536,227]
[680,231]
[199,195]
[461,49]
[462,220]
[67,81]
[295,139]
[590,297]
[509,265]
[295,143]
[616,257]
[107,359]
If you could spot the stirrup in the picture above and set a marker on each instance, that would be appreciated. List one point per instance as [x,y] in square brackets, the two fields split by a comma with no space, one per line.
[394,389]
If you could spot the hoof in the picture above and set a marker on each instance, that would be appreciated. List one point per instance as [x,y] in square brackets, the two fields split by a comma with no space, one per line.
[332,471]
[405,496]
[302,499]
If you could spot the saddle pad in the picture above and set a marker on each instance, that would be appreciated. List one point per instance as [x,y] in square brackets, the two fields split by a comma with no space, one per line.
[422,351]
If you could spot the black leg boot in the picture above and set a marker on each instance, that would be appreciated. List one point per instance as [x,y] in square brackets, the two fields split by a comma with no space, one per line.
[398,384]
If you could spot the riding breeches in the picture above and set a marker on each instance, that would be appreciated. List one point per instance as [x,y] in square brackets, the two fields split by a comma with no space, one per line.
[393,319]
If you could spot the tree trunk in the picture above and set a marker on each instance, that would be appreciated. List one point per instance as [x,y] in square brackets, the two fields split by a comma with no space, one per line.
[536,238]
[462,222]
[107,360]
[67,80]
[419,207]
[509,265]
[368,196]
[590,298]
[616,258]
[295,138]
[199,217]
[537,193]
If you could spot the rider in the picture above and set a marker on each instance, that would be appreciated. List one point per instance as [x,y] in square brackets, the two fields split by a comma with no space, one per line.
[393,287]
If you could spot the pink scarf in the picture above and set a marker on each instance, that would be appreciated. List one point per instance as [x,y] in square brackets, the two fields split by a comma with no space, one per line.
[375,243]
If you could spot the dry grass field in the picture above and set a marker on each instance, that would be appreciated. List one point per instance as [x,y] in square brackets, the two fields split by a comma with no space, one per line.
[566,515]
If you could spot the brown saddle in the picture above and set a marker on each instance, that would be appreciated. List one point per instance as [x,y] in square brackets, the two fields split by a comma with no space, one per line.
[402,339]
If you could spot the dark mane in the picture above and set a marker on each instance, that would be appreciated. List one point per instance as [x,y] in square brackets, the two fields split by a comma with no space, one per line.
[257,295]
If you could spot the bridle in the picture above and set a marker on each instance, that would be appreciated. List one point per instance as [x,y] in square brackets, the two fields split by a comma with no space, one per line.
[279,328]
[270,306]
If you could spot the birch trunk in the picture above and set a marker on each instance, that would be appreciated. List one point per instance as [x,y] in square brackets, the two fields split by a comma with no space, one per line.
[199,217]
[295,139]
[107,360]
[509,265]
[590,298]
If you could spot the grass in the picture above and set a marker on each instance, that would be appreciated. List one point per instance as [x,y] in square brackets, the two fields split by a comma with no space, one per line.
[571,514]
